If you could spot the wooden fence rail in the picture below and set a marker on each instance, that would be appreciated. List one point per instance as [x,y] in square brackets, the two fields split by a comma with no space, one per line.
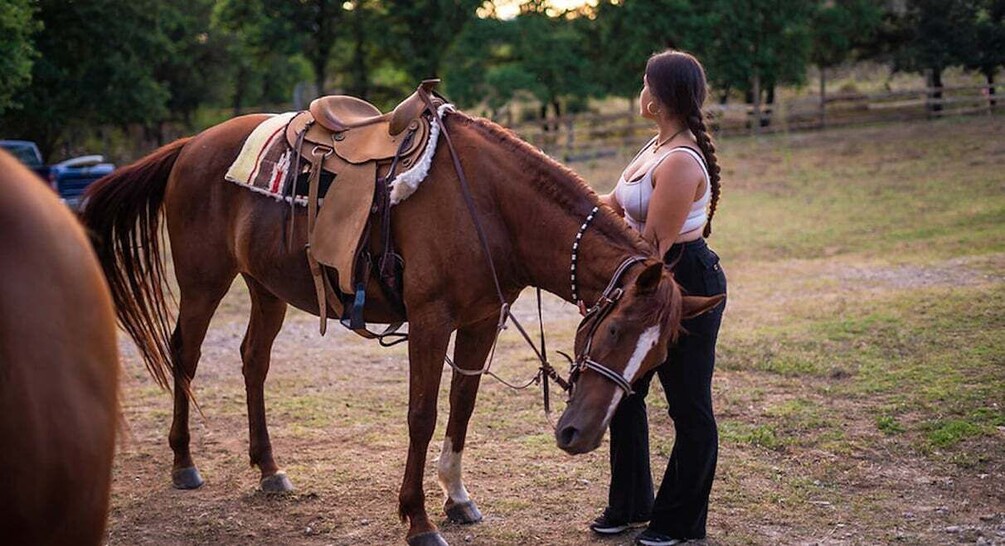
[584,136]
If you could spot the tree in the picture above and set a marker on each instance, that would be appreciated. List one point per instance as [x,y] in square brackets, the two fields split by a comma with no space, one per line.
[419,32]
[547,50]
[363,23]
[755,45]
[839,28]
[194,64]
[934,37]
[478,50]
[95,67]
[535,52]
[986,49]
[16,30]
[626,34]
[272,32]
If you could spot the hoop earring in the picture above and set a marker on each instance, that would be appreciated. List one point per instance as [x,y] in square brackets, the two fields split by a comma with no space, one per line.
[649,108]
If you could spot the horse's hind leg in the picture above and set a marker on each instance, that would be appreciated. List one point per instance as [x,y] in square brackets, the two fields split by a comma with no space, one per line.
[470,351]
[198,303]
[267,314]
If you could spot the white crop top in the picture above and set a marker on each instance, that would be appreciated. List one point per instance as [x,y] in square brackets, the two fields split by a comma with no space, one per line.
[634,195]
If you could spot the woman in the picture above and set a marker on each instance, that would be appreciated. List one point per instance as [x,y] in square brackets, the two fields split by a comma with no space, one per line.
[669,193]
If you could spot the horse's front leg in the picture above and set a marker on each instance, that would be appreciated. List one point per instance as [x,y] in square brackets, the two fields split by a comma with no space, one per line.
[429,334]
[472,346]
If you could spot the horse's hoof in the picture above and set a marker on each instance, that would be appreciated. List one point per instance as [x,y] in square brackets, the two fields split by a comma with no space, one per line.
[463,512]
[276,483]
[432,538]
[186,478]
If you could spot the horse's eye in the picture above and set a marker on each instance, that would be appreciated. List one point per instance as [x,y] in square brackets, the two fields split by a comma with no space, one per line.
[612,329]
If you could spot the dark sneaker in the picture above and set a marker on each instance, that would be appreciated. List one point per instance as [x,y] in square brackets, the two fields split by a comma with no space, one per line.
[654,538]
[606,525]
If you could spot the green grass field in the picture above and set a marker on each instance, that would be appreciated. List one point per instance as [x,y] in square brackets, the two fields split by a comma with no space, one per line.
[860,386]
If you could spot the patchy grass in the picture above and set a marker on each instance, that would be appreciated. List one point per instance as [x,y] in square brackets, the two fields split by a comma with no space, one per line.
[860,386]
[888,424]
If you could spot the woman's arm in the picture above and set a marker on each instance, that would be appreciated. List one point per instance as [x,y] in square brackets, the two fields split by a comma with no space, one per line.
[611,200]
[676,182]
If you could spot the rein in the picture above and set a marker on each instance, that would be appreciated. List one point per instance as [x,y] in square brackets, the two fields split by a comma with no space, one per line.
[594,316]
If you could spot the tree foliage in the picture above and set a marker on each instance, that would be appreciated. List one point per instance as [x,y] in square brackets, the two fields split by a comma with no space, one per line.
[418,32]
[16,49]
[984,50]
[94,67]
[840,27]
[628,33]
[72,66]
[934,34]
[766,42]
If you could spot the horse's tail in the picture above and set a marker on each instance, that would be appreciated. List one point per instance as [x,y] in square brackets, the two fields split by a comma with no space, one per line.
[122,214]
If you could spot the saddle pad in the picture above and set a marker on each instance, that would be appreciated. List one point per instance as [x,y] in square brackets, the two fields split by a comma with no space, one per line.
[265,160]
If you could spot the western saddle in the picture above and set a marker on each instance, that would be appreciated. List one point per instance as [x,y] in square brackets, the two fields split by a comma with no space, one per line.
[349,236]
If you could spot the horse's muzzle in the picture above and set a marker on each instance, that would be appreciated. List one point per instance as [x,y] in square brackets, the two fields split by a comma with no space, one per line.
[578,433]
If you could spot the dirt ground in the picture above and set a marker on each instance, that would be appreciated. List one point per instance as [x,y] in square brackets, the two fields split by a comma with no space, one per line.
[830,430]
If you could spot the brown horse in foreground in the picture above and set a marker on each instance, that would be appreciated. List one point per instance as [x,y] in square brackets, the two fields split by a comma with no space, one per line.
[58,370]
[531,209]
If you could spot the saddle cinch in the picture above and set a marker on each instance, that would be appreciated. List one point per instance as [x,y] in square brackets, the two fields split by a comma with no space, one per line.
[349,230]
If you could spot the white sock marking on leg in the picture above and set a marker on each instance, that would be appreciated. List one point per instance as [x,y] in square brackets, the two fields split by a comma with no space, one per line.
[448,470]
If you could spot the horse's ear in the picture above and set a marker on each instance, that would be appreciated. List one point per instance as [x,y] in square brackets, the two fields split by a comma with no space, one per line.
[650,277]
[699,305]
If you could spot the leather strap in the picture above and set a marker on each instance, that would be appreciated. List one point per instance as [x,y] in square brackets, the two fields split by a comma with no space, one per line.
[314,181]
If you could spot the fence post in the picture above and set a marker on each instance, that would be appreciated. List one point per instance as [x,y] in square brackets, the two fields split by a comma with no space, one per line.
[823,98]
[570,136]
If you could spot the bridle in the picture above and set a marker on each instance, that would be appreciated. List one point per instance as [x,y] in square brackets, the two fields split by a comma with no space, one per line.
[591,321]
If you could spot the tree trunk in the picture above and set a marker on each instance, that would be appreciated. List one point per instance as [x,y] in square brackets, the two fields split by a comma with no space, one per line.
[240,87]
[935,93]
[545,126]
[323,41]
[990,76]
[769,109]
[360,72]
[756,96]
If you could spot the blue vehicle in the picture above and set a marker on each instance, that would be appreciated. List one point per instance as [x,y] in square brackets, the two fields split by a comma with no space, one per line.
[68,178]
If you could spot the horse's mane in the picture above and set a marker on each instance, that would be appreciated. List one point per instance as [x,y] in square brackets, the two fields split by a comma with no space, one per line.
[558,183]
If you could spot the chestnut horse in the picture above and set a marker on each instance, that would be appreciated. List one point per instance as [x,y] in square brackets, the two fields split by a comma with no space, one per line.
[531,209]
[58,370]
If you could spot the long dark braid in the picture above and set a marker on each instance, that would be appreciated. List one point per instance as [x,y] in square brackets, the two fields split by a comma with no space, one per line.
[696,122]
[678,82]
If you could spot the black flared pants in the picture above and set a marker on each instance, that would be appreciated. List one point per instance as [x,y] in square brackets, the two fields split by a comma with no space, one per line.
[680,507]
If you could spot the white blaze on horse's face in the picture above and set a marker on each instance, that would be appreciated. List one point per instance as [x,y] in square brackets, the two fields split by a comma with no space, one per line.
[614,348]
[647,341]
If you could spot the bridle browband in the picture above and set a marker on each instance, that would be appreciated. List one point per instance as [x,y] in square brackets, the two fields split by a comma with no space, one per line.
[575,253]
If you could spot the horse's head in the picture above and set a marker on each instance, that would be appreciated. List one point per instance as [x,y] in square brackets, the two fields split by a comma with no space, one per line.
[622,337]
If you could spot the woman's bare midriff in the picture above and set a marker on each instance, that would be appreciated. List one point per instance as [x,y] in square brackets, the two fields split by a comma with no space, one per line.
[692,235]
